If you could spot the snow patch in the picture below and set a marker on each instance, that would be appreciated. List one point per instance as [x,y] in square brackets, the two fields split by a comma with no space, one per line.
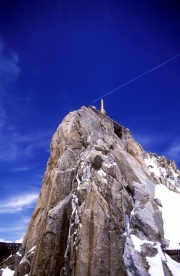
[7,272]
[78,180]
[155,263]
[32,249]
[132,213]
[74,202]
[19,254]
[137,243]
[173,266]
[101,173]
[156,267]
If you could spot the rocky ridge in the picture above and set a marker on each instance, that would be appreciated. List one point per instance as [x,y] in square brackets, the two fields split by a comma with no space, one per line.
[163,171]
[97,203]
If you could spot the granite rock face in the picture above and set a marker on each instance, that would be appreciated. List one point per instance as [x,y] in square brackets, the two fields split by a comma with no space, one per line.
[97,191]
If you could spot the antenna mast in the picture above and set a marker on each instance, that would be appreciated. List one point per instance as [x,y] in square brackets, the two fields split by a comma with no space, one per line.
[103,111]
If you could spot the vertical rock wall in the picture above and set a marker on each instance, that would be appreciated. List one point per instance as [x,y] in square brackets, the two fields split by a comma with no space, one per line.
[96,192]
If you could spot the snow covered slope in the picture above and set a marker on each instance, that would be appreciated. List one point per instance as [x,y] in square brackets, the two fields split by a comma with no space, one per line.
[167,178]
[156,262]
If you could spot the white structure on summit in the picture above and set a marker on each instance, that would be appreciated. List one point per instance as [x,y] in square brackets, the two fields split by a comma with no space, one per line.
[103,111]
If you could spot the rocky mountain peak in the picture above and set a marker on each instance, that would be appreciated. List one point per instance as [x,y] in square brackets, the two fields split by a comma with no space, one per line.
[97,212]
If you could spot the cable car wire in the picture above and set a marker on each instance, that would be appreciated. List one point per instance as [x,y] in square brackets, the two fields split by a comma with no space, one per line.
[136,78]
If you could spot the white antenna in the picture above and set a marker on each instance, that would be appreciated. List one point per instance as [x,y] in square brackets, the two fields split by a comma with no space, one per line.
[103,111]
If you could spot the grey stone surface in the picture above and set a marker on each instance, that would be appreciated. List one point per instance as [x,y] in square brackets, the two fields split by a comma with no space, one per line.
[147,250]
[158,202]
[166,270]
[135,264]
[95,177]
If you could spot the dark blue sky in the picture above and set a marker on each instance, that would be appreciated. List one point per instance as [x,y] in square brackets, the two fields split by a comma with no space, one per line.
[56,56]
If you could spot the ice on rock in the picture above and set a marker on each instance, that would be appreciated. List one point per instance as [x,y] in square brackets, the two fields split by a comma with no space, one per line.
[87,172]
[77,218]
[132,213]
[74,202]
[78,180]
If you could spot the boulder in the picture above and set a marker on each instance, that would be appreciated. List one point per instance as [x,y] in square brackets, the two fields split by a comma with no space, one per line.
[158,202]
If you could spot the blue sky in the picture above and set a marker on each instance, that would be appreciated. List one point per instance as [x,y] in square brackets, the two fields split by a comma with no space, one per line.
[56,56]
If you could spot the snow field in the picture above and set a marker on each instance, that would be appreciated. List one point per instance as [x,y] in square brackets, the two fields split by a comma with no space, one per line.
[170,213]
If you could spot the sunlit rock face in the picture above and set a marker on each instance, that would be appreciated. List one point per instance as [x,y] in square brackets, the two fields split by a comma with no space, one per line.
[97,194]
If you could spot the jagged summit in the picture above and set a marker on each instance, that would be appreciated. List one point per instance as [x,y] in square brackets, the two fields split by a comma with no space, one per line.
[97,212]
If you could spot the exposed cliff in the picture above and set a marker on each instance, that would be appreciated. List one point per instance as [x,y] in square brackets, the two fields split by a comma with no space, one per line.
[96,204]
